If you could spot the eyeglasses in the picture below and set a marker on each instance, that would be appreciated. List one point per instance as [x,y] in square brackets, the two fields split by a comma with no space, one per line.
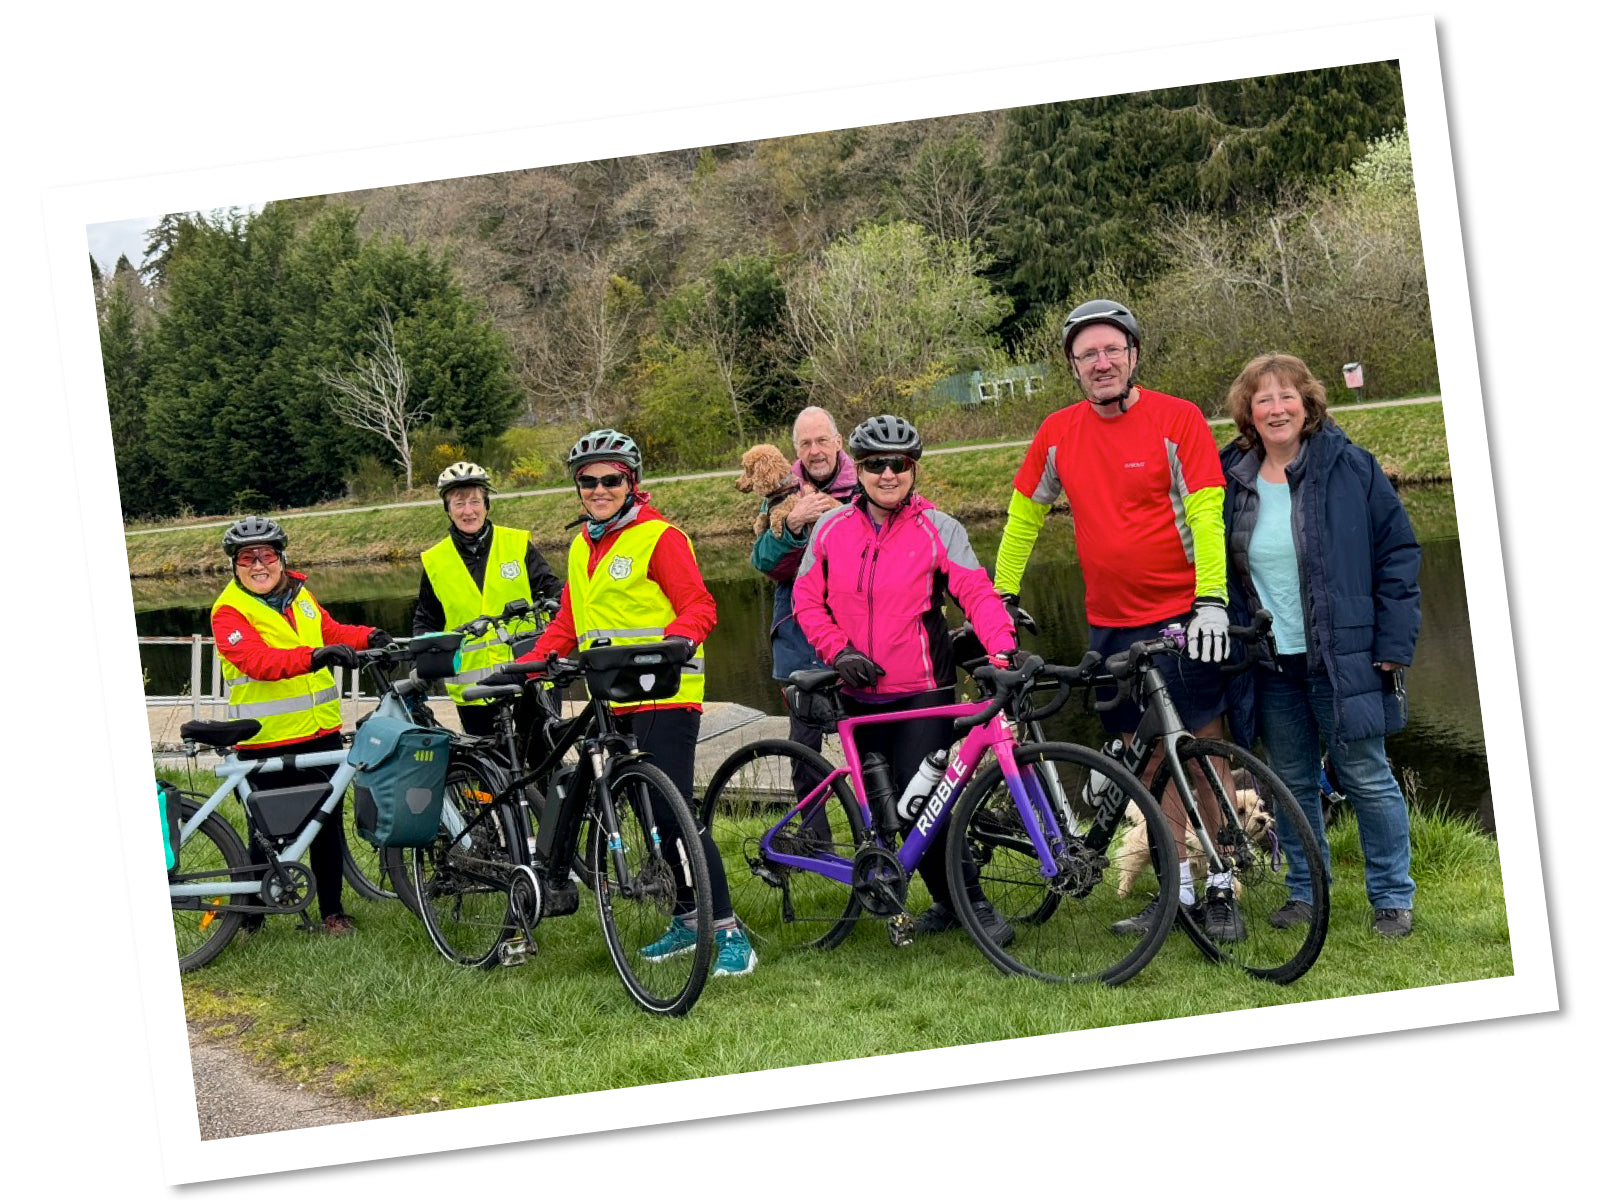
[589,482]
[264,555]
[898,463]
[1114,354]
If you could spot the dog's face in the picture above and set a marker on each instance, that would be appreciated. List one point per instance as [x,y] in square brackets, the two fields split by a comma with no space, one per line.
[1253,815]
[764,470]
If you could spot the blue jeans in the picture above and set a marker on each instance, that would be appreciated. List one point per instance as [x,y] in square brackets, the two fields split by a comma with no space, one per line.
[1296,722]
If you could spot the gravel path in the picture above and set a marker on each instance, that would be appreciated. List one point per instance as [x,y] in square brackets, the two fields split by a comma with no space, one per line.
[235,1096]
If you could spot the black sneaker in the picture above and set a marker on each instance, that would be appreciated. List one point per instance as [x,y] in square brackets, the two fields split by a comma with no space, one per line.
[996,926]
[1222,922]
[1295,912]
[1391,922]
[1139,924]
[937,919]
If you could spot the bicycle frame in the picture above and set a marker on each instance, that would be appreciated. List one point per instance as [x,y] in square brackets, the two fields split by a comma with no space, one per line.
[997,734]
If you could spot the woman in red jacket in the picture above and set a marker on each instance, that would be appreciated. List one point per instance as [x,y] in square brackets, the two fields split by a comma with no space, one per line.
[277,645]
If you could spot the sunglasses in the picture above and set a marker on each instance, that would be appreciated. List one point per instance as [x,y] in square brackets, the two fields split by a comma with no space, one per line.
[898,463]
[266,556]
[589,482]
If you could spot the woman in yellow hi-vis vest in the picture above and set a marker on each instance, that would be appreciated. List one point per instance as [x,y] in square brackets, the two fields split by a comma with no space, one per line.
[632,577]
[276,645]
[477,569]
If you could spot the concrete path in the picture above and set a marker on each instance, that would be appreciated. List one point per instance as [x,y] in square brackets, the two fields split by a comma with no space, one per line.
[235,1096]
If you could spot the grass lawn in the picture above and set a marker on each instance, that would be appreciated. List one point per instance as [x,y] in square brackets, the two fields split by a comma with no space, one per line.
[382,1018]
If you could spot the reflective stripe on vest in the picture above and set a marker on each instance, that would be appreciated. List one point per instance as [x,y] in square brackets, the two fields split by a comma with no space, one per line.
[505,578]
[288,709]
[621,602]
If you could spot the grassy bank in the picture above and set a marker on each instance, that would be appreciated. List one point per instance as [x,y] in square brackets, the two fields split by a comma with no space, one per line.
[972,485]
[380,1017]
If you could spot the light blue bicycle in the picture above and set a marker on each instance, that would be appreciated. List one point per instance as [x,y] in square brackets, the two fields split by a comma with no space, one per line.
[215,885]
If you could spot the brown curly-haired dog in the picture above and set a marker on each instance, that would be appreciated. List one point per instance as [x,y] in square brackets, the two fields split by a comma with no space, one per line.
[767,474]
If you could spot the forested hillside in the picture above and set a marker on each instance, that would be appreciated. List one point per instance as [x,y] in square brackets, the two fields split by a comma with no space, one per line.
[351,344]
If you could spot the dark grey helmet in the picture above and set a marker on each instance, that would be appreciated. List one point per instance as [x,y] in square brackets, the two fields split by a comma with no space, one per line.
[1098,312]
[886,435]
[605,445]
[254,531]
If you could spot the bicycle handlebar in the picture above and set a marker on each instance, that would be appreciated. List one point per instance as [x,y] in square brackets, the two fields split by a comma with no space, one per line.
[1127,665]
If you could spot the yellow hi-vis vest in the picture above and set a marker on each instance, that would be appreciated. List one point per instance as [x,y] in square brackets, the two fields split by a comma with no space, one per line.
[621,602]
[505,578]
[289,709]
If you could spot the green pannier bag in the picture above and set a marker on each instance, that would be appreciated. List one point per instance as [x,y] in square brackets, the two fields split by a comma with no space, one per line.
[400,769]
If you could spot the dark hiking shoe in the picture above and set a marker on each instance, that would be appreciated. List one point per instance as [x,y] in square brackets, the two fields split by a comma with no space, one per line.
[937,919]
[1391,922]
[996,926]
[1139,924]
[1223,922]
[1295,912]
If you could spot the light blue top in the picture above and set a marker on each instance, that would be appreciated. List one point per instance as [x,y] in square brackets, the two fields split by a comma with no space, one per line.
[1275,570]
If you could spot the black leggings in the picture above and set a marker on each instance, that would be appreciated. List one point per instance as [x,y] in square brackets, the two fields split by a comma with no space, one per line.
[669,736]
[327,848]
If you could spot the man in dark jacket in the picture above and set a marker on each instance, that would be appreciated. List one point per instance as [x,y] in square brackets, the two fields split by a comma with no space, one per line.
[822,464]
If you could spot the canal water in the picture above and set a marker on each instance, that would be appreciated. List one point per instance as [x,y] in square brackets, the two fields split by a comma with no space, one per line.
[1439,756]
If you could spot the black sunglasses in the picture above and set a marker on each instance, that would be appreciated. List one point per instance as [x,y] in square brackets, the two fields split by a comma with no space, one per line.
[589,482]
[898,463]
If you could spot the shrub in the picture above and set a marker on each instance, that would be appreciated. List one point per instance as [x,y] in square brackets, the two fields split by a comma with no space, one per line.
[371,480]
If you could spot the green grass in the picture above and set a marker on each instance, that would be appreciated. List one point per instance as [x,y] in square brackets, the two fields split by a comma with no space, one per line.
[382,1018]
[972,486]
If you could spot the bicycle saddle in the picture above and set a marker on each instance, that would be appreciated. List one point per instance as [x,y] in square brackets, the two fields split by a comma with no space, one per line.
[815,681]
[220,734]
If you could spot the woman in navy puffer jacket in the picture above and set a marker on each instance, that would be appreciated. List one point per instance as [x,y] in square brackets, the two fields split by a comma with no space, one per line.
[1318,537]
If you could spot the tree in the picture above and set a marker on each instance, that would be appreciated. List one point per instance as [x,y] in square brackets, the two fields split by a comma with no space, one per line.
[886,311]
[948,191]
[587,341]
[373,394]
[125,364]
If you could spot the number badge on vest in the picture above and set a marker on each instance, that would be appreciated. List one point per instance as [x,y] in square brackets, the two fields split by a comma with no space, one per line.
[621,567]
[510,570]
[308,609]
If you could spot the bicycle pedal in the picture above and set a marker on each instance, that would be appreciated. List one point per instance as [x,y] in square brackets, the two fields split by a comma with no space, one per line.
[516,951]
[901,929]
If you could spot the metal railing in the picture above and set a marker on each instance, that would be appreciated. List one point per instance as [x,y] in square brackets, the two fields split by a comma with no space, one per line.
[205,687]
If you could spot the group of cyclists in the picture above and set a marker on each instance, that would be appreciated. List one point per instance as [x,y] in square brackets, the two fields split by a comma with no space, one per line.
[1294,518]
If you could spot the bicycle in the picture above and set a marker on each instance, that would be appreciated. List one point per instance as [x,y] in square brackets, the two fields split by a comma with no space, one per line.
[1240,843]
[504,858]
[808,877]
[216,885]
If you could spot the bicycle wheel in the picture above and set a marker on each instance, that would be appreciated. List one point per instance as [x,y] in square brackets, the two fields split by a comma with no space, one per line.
[779,905]
[365,869]
[1261,875]
[1061,928]
[637,876]
[214,850]
[462,881]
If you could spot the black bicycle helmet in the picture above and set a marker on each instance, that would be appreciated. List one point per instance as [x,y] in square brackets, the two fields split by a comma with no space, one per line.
[605,445]
[886,435]
[1098,312]
[254,531]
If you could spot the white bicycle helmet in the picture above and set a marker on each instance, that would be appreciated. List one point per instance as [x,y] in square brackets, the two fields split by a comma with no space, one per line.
[463,474]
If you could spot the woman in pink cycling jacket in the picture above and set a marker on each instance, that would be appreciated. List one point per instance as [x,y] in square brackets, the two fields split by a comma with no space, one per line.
[870,595]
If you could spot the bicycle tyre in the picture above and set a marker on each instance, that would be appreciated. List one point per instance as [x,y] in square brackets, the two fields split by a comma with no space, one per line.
[781,906]
[214,847]
[462,880]
[366,869]
[1061,929]
[1278,955]
[635,911]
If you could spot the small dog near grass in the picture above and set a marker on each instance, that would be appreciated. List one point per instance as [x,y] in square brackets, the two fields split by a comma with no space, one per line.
[1135,856]
[766,473]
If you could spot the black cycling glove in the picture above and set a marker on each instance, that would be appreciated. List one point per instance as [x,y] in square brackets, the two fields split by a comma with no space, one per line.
[334,656]
[856,669]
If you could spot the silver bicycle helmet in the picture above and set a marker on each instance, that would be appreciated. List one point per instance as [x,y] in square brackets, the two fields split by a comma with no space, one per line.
[1098,312]
[605,445]
[886,435]
[464,474]
[254,531]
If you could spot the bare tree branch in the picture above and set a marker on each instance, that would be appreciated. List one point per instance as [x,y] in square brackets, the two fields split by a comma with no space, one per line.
[373,394]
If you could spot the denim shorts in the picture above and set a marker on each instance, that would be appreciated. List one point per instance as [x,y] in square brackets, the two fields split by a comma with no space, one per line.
[1197,689]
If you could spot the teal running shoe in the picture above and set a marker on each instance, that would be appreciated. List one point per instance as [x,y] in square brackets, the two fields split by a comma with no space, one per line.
[678,939]
[735,954]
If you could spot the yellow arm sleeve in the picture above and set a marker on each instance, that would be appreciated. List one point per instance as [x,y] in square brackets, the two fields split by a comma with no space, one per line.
[1203,509]
[1024,520]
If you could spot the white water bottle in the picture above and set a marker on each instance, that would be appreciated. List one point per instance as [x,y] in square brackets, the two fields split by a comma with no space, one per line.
[923,783]
[1100,790]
